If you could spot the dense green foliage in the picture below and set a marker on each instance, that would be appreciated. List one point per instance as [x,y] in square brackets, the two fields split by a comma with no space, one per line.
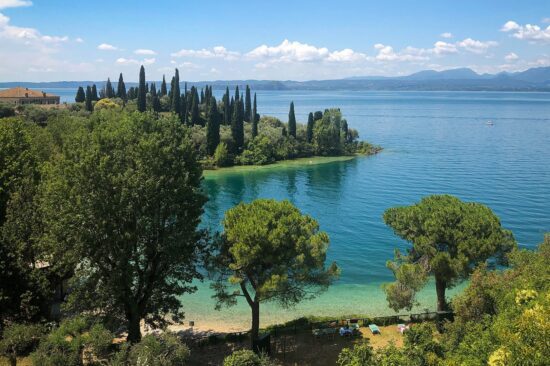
[449,237]
[271,252]
[75,342]
[140,176]
[19,340]
[246,358]
[163,350]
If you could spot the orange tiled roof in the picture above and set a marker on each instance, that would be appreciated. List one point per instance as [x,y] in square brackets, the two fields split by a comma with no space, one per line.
[20,92]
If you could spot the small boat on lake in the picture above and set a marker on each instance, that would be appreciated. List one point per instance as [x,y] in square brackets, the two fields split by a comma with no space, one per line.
[489,123]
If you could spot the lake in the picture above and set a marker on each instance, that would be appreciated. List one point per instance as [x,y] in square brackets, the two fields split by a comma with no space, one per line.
[434,142]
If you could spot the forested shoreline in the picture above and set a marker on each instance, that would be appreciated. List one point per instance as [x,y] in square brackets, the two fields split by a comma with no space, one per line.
[231,131]
[101,238]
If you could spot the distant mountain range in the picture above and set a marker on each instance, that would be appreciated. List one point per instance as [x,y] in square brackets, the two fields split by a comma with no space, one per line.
[462,79]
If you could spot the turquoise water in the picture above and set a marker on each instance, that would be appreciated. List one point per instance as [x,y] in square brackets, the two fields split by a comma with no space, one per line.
[435,142]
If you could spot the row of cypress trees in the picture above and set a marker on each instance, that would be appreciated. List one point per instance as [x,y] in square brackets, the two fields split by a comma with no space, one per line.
[235,110]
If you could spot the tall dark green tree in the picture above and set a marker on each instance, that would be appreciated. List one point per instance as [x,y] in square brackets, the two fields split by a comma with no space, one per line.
[309,127]
[89,99]
[226,107]
[142,94]
[95,96]
[202,97]
[237,94]
[184,112]
[121,88]
[109,90]
[292,121]
[247,105]
[212,127]
[237,127]
[176,94]
[163,90]
[195,114]
[254,118]
[80,95]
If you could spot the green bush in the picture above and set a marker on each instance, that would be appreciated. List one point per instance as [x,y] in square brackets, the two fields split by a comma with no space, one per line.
[19,340]
[163,350]
[361,354]
[74,342]
[6,110]
[258,152]
[247,358]
[221,155]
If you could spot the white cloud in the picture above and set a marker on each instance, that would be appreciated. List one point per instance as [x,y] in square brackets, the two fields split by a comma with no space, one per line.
[475,46]
[446,35]
[25,34]
[546,20]
[511,57]
[529,32]
[215,52]
[4,4]
[346,55]
[387,53]
[131,61]
[289,51]
[142,51]
[443,48]
[79,40]
[107,47]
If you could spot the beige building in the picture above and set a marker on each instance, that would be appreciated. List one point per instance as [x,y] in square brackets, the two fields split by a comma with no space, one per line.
[21,95]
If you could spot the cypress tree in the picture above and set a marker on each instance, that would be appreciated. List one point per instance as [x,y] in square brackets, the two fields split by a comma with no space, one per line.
[254,119]
[309,128]
[183,115]
[237,128]
[121,88]
[212,127]
[176,102]
[237,93]
[247,106]
[291,121]
[94,93]
[345,132]
[146,88]
[163,90]
[89,98]
[80,95]
[317,116]
[195,116]
[241,107]
[156,103]
[202,96]
[109,89]
[142,99]
[226,107]
[170,92]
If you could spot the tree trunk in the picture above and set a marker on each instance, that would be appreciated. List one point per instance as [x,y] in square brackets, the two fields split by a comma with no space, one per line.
[13,360]
[440,286]
[255,321]
[134,331]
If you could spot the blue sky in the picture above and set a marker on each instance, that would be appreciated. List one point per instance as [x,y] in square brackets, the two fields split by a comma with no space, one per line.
[48,40]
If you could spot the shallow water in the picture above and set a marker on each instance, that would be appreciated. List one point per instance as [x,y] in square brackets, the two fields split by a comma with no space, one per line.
[434,142]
